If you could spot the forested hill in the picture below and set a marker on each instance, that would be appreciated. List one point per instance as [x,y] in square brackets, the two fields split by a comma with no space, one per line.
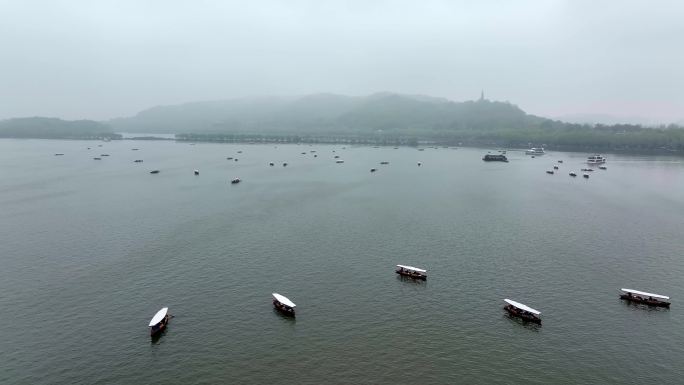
[391,119]
[53,128]
[326,113]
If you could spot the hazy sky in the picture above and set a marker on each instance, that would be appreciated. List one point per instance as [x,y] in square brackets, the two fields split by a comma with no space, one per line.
[102,59]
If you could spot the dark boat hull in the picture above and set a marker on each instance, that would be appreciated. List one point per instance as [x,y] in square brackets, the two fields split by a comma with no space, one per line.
[159,328]
[524,317]
[410,275]
[285,310]
[645,301]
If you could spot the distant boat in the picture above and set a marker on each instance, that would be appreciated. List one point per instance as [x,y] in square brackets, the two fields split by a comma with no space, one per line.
[421,149]
[495,158]
[285,164]
[572,173]
[59,154]
[97,158]
[283,304]
[650,299]
[603,168]
[315,156]
[271,164]
[585,176]
[239,152]
[384,162]
[134,149]
[549,172]
[587,169]
[535,151]
[596,159]
[373,170]
[520,310]
[336,157]
[555,167]
[560,161]
[159,321]
[104,154]
[234,181]
[154,172]
[196,172]
[229,158]
[420,164]
[138,161]
[339,161]
[236,159]
[411,272]
[303,153]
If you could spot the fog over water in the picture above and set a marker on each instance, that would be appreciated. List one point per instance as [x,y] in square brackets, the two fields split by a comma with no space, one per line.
[104,59]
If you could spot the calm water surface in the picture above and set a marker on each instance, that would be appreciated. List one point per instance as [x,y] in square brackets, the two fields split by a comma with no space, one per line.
[90,250]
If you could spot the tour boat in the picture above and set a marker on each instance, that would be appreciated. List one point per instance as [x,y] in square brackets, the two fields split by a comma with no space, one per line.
[196,172]
[520,310]
[572,173]
[412,272]
[535,151]
[159,321]
[596,159]
[234,181]
[283,304]
[154,172]
[495,158]
[645,298]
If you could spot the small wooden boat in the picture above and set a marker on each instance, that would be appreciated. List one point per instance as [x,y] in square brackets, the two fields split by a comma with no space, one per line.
[572,173]
[154,172]
[336,157]
[645,298]
[411,272]
[303,153]
[374,169]
[196,172]
[234,181]
[271,164]
[283,304]
[549,172]
[526,313]
[585,176]
[159,321]
[555,167]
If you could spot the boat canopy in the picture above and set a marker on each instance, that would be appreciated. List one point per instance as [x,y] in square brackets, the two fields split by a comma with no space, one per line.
[159,316]
[412,268]
[645,293]
[521,306]
[284,300]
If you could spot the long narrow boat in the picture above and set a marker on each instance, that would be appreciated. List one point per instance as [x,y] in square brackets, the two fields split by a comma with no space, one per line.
[412,272]
[159,321]
[650,299]
[525,312]
[283,304]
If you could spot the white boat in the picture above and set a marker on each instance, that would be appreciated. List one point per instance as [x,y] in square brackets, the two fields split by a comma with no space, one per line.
[646,298]
[596,159]
[159,321]
[523,311]
[196,172]
[535,151]
[283,304]
[412,272]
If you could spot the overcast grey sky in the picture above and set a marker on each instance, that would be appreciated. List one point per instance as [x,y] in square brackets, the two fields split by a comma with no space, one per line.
[103,59]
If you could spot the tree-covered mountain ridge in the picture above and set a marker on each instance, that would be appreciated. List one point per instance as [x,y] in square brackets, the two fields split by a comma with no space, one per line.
[389,118]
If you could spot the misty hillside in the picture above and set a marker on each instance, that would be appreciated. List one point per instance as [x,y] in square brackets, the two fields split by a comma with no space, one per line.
[53,128]
[327,113]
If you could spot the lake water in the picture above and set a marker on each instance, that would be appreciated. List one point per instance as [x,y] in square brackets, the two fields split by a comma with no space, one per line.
[91,249]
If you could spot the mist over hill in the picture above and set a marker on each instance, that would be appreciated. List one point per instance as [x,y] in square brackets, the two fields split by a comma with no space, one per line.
[54,128]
